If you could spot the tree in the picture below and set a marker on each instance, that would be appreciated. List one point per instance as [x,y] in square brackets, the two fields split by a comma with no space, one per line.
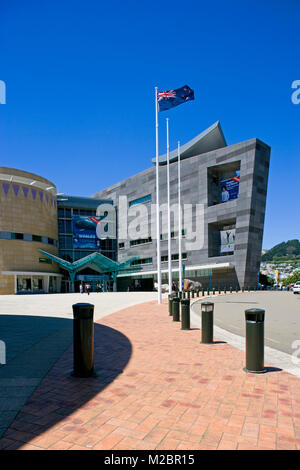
[265,280]
[292,279]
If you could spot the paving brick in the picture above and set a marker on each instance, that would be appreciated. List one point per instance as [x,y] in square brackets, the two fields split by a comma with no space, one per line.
[158,400]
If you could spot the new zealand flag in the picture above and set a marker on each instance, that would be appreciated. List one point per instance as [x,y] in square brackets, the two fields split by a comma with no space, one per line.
[171,98]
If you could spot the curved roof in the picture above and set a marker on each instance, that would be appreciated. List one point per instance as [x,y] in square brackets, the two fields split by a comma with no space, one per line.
[210,139]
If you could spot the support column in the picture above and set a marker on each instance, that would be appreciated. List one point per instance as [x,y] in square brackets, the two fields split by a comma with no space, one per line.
[114,276]
[72,277]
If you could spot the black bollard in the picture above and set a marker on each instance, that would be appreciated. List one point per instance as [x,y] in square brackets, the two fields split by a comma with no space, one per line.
[207,322]
[170,296]
[255,318]
[185,314]
[203,293]
[83,339]
[175,308]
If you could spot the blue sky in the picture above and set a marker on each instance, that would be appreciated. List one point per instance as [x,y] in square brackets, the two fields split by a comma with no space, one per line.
[80,80]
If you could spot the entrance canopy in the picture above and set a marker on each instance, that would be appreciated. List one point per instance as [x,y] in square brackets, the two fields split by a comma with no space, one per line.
[96,261]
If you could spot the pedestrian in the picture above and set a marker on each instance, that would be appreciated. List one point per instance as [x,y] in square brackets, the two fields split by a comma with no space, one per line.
[81,288]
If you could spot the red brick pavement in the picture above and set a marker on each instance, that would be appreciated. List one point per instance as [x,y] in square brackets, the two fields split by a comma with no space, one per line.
[158,387]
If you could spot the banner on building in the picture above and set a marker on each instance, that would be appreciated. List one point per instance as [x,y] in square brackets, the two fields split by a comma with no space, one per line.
[230,189]
[227,240]
[86,232]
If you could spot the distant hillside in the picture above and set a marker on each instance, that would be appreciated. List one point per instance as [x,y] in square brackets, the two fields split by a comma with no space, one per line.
[284,251]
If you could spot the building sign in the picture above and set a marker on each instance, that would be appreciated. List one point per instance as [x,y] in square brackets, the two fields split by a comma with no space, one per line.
[86,232]
[230,188]
[227,240]
[92,277]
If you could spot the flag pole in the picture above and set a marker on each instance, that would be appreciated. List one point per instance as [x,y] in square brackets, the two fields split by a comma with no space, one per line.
[179,222]
[158,261]
[169,213]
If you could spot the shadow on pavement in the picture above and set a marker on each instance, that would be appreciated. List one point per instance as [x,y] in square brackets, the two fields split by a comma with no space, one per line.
[56,395]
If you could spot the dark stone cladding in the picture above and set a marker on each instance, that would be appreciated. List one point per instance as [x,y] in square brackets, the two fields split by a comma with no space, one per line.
[247,212]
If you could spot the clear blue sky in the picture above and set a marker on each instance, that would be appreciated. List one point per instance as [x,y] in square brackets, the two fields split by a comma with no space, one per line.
[80,79]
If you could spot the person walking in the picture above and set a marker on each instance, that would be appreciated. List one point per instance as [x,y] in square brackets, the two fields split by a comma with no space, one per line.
[81,288]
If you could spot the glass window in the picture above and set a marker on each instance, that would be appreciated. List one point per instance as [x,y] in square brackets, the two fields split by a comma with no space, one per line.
[5,235]
[61,226]
[68,226]
[17,236]
[140,200]
[140,241]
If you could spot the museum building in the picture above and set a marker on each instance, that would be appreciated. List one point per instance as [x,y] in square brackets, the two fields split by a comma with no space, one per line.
[44,236]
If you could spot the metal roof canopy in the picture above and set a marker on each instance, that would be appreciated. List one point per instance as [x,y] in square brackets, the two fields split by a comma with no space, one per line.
[96,261]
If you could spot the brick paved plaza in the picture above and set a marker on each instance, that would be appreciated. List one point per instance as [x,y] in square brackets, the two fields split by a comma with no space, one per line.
[158,387]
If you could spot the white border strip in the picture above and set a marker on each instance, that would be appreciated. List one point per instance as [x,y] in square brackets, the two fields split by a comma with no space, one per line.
[273,357]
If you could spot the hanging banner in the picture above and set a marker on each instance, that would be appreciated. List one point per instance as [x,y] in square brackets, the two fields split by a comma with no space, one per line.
[230,189]
[86,232]
[227,240]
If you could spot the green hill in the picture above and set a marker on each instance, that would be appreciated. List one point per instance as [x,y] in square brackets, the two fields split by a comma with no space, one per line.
[285,251]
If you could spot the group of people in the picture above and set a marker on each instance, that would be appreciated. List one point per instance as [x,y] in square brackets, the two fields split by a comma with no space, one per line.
[87,288]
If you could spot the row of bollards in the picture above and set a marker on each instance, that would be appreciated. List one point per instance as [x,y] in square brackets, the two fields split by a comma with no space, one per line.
[83,333]
[254,318]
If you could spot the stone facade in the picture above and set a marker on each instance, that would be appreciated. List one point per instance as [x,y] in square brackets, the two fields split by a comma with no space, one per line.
[28,221]
[199,174]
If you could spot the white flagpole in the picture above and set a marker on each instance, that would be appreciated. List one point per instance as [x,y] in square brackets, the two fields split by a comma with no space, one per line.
[169,213]
[179,223]
[159,296]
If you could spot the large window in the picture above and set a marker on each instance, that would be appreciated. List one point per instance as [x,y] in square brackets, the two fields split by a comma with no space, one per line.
[221,238]
[223,182]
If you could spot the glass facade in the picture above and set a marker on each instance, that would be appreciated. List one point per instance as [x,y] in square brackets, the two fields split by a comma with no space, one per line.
[79,207]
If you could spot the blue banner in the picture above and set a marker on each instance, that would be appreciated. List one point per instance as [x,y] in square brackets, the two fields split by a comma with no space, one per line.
[230,189]
[85,232]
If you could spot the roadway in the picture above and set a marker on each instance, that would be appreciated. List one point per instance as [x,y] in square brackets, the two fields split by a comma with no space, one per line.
[282,317]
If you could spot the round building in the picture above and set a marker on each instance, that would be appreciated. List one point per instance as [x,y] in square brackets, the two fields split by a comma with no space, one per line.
[28,222]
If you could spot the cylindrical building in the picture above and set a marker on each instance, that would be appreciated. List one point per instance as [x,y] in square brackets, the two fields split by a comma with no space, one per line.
[28,221]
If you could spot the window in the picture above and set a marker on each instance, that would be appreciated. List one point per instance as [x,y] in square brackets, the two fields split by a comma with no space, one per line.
[5,235]
[175,257]
[45,260]
[121,246]
[27,237]
[140,200]
[165,236]
[140,241]
[138,262]
[17,236]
